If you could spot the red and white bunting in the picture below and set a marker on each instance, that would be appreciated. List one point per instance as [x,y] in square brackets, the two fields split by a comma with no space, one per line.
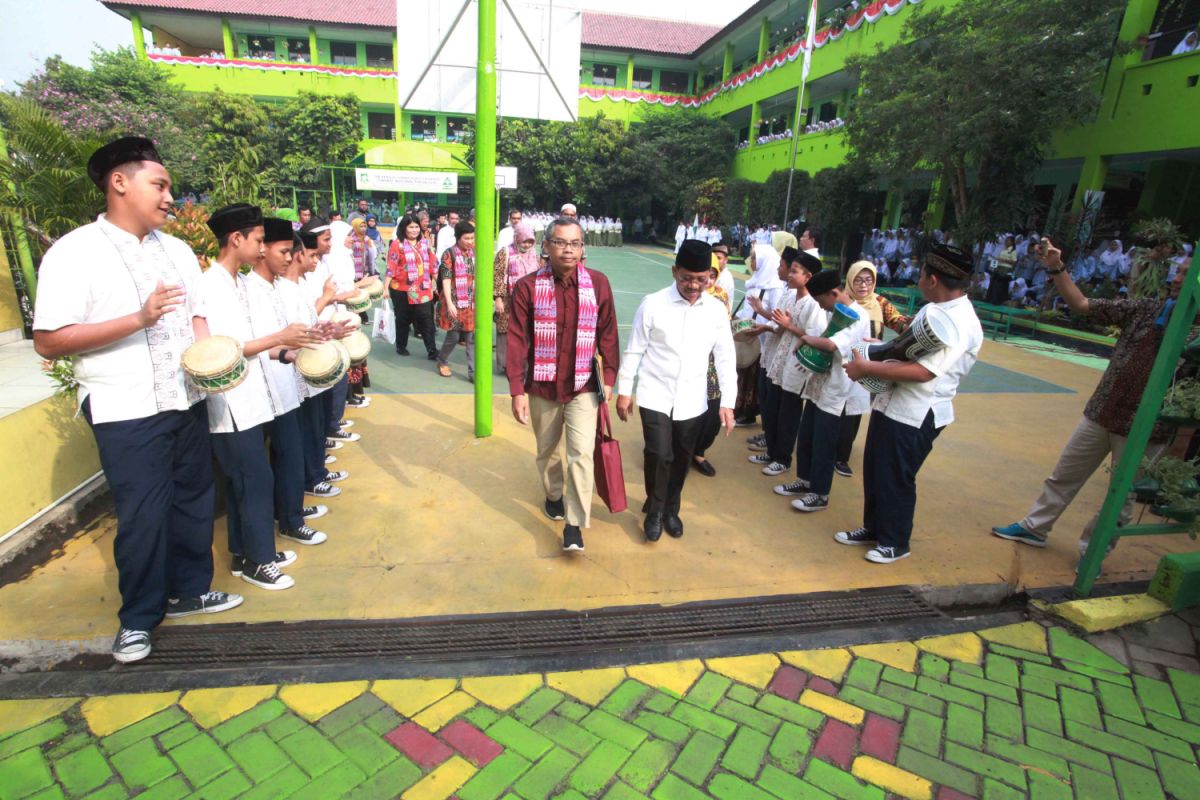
[273,66]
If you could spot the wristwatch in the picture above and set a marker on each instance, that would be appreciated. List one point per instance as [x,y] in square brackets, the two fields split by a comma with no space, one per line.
[283,355]
[1058,271]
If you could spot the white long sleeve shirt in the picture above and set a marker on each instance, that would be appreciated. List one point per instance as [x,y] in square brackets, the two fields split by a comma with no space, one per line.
[228,304]
[668,351]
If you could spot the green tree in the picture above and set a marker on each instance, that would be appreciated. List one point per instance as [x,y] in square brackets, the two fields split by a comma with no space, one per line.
[708,200]
[978,92]
[236,136]
[839,204]
[310,132]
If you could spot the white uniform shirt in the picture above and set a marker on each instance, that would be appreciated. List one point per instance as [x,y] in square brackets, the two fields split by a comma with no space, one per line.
[504,238]
[833,390]
[249,403]
[725,281]
[268,316]
[668,352]
[910,402]
[298,307]
[83,278]
[445,240]
[785,370]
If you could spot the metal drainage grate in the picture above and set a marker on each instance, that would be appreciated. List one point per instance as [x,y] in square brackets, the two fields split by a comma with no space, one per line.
[534,633]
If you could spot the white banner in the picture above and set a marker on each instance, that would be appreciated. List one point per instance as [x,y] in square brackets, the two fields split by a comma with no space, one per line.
[403,180]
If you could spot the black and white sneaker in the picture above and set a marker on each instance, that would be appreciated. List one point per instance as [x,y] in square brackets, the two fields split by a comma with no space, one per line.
[207,603]
[304,535]
[358,401]
[343,436]
[266,576]
[334,477]
[572,539]
[283,558]
[757,447]
[742,422]
[843,469]
[131,645]
[886,555]
[758,438]
[555,509]
[330,460]
[858,536]
[346,423]
[775,468]
[761,458]
[323,489]
[797,488]
[332,444]
[811,502]
[315,512]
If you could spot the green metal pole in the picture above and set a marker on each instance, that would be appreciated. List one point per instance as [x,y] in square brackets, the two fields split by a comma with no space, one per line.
[485,202]
[21,239]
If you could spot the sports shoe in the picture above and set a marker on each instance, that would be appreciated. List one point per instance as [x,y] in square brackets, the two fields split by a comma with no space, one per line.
[303,535]
[330,460]
[346,423]
[757,447]
[1016,533]
[758,438]
[323,489]
[555,509]
[797,488]
[283,558]
[855,537]
[843,469]
[572,539]
[358,401]
[811,502]
[742,422]
[886,555]
[774,468]
[131,645]
[761,458]
[334,477]
[343,436]
[207,603]
[315,512]
[332,444]
[266,576]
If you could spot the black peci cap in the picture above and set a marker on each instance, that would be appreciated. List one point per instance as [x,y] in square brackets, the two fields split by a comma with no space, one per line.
[122,151]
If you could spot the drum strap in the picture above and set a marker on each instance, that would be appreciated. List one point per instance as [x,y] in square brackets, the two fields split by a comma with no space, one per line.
[172,334]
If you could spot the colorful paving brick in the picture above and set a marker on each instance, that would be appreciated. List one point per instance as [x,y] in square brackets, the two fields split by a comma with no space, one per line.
[1008,712]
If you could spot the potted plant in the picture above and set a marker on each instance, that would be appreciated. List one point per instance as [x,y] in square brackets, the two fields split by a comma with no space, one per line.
[1181,405]
[1170,483]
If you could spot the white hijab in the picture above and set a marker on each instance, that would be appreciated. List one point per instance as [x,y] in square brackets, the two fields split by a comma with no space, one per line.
[766,270]
[339,259]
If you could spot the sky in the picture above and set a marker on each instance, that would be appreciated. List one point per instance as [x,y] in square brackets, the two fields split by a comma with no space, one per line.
[27,39]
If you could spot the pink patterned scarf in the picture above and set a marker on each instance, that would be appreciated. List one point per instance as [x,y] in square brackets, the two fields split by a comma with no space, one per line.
[521,264]
[464,283]
[416,265]
[545,327]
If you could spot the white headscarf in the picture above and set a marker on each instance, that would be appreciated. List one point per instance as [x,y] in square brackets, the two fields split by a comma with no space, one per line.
[339,259]
[766,269]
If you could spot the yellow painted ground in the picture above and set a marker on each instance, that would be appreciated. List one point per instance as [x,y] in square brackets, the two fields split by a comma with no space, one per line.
[434,521]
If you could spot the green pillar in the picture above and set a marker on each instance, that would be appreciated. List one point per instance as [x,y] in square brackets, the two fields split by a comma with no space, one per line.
[485,202]
[764,37]
[755,118]
[1092,177]
[892,207]
[935,212]
[21,239]
[139,35]
[227,39]
[727,64]
[314,52]
[395,52]
[629,72]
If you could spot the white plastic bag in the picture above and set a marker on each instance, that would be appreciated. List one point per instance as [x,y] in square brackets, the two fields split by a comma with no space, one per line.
[383,324]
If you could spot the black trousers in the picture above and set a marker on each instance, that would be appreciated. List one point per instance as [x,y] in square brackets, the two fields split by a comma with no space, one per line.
[409,313]
[250,491]
[816,446]
[287,464]
[160,471]
[312,428]
[669,447]
[712,426]
[788,411]
[768,403]
[847,433]
[335,404]
[893,456]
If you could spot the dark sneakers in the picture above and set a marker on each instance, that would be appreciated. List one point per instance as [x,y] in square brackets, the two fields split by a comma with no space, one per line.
[303,535]
[858,536]
[886,555]
[572,539]
[315,512]
[555,509]
[266,576]
[131,645]
[283,558]
[843,469]
[207,603]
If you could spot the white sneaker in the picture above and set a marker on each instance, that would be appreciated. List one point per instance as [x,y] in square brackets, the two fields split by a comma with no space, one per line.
[305,535]
[323,489]
[811,502]
[885,555]
[774,468]
[334,477]
[266,576]
[761,458]
[131,645]
[797,488]
[330,460]
[332,444]
[315,512]
[347,423]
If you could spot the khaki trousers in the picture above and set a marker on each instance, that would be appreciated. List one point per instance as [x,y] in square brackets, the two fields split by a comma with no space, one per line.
[1084,452]
[578,419]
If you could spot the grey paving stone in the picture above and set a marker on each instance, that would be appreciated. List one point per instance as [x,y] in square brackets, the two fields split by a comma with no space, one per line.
[1111,644]
[1140,653]
[1149,670]
[1168,633]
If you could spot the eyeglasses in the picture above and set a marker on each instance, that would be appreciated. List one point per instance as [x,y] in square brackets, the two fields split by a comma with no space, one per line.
[863,279]
[563,244]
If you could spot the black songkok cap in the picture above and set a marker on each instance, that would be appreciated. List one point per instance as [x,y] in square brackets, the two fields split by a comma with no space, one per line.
[277,230]
[808,261]
[123,151]
[314,226]
[462,229]
[308,239]
[694,256]
[948,260]
[237,217]
[789,255]
[824,281]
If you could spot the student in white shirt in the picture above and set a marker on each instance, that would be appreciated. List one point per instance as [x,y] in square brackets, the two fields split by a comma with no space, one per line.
[765,291]
[725,277]
[906,420]
[505,237]
[445,235]
[674,332]
[125,301]
[829,394]
[237,418]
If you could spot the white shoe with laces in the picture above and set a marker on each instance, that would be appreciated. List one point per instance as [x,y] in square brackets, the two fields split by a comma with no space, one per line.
[774,468]
[130,645]
[266,576]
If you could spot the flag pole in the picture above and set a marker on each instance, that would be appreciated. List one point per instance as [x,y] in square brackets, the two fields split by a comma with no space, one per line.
[810,36]
[485,203]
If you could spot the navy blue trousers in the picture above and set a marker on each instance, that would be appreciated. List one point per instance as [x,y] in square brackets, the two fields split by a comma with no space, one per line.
[335,404]
[312,427]
[160,471]
[287,464]
[789,408]
[894,454]
[250,491]
[767,405]
[816,447]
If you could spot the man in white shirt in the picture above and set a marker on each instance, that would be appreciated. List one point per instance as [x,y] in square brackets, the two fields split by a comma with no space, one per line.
[906,420]
[445,235]
[125,301]
[674,332]
[681,235]
[237,418]
[505,237]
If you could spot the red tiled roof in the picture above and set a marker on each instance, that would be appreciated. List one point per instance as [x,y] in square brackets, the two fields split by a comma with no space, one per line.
[614,31]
